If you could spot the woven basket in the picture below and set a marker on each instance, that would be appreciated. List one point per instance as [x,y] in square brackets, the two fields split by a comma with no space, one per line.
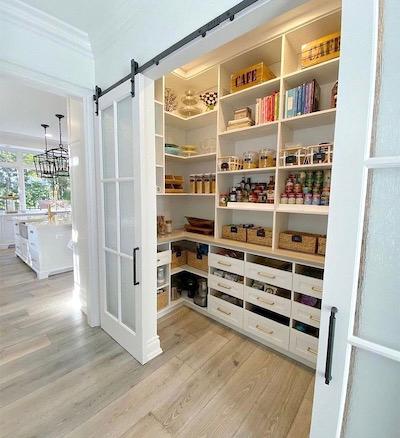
[230,163]
[301,242]
[162,299]
[321,245]
[197,261]
[260,236]
[234,232]
[179,258]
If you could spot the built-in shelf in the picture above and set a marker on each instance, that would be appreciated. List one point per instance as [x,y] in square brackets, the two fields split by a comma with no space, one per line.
[250,131]
[323,73]
[158,102]
[187,268]
[249,206]
[164,286]
[198,157]
[249,95]
[247,171]
[311,120]
[320,166]
[303,209]
[198,121]
[160,166]
[187,194]
[159,136]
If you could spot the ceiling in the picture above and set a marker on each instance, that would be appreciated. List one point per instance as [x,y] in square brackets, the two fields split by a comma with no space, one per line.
[23,109]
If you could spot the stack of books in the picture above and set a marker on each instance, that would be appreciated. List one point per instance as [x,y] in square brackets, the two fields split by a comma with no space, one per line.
[242,119]
[303,99]
[267,109]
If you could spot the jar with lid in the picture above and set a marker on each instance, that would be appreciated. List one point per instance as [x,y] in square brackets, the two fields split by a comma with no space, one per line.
[266,158]
[168,226]
[199,183]
[291,198]
[299,198]
[192,183]
[284,198]
[213,183]
[206,183]
[161,275]
[250,160]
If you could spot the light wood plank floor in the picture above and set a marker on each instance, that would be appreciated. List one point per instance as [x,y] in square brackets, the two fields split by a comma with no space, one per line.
[59,377]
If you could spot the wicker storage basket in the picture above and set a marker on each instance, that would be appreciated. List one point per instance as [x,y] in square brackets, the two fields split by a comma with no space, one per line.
[198,261]
[162,299]
[234,232]
[179,258]
[230,163]
[321,245]
[260,236]
[301,242]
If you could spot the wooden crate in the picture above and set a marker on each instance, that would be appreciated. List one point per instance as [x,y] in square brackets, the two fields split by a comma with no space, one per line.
[301,242]
[179,258]
[234,232]
[162,299]
[198,261]
[321,245]
[260,236]
[320,50]
[250,76]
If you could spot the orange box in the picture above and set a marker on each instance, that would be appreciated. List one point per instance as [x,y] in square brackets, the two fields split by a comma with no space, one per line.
[320,50]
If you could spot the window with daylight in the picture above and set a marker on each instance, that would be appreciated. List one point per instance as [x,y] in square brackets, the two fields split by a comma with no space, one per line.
[18,177]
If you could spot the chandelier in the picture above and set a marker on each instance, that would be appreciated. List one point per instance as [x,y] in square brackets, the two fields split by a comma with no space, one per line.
[53,162]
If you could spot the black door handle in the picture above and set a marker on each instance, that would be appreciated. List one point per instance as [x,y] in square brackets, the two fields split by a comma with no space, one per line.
[135,282]
[329,351]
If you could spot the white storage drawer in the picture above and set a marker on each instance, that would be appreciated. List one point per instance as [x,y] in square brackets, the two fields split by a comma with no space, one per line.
[164,258]
[273,276]
[307,314]
[307,285]
[226,311]
[227,286]
[268,301]
[303,345]
[264,328]
[226,263]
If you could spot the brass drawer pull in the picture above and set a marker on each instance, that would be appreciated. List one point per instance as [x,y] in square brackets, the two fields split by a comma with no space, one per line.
[223,311]
[312,351]
[224,286]
[158,260]
[262,329]
[224,263]
[313,318]
[317,289]
[270,303]
[264,274]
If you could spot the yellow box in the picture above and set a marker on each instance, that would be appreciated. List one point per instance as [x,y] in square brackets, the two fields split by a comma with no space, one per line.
[320,50]
[253,75]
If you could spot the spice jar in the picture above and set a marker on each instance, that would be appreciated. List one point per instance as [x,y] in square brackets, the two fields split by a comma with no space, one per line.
[299,198]
[266,158]
[193,183]
[291,198]
[250,160]
[207,183]
[308,199]
[316,199]
[284,198]
[199,183]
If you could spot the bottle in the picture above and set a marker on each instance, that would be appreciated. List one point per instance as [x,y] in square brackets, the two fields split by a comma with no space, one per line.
[243,183]
[248,184]
[271,184]
[232,195]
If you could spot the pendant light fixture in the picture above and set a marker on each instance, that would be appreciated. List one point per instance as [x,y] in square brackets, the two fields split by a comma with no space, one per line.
[60,154]
[44,163]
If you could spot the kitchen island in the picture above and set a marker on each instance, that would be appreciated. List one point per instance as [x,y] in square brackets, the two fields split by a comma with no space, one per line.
[43,245]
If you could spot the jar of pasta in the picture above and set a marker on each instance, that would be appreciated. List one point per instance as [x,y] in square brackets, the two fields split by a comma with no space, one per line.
[266,158]
[250,160]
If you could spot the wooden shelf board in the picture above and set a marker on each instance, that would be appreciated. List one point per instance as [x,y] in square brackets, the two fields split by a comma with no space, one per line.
[158,102]
[164,286]
[307,167]
[159,165]
[323,73]
[187,123]
[248,206]
[186,268]
[159,135]
[303,209]
[198,157]
[248,96]
[247,171]
[311,120]
[250,131]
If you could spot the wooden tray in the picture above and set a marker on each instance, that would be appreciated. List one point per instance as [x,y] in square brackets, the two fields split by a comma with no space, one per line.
[199,230]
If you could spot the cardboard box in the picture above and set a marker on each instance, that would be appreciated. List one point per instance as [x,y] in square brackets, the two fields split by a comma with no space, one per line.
[250,76]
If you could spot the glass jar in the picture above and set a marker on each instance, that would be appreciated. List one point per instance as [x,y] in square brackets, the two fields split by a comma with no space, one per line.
[266,158]
[207,183]
[213,188]
[168,226]
[250,160]
[284,198]
[199,183]
[299,199]
[161,275]
[192,183]
[291,198]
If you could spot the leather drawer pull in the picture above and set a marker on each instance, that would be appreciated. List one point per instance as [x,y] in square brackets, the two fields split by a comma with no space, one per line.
[311,350]
[264,274]
[223,311]
[316,289]
[313,318]
[224,286]
[270,303]
[262,329]
[224,263]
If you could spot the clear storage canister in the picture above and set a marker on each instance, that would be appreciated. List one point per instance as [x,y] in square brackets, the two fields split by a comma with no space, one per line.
[199,183]
[266,158]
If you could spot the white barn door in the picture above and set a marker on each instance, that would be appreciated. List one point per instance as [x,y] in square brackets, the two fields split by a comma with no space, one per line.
[357,391]
[127,218]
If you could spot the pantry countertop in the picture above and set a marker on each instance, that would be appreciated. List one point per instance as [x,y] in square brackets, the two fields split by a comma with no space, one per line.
[314,259]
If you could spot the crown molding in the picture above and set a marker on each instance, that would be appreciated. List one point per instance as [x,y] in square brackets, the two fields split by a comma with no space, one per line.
[17,140]
[22,15]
